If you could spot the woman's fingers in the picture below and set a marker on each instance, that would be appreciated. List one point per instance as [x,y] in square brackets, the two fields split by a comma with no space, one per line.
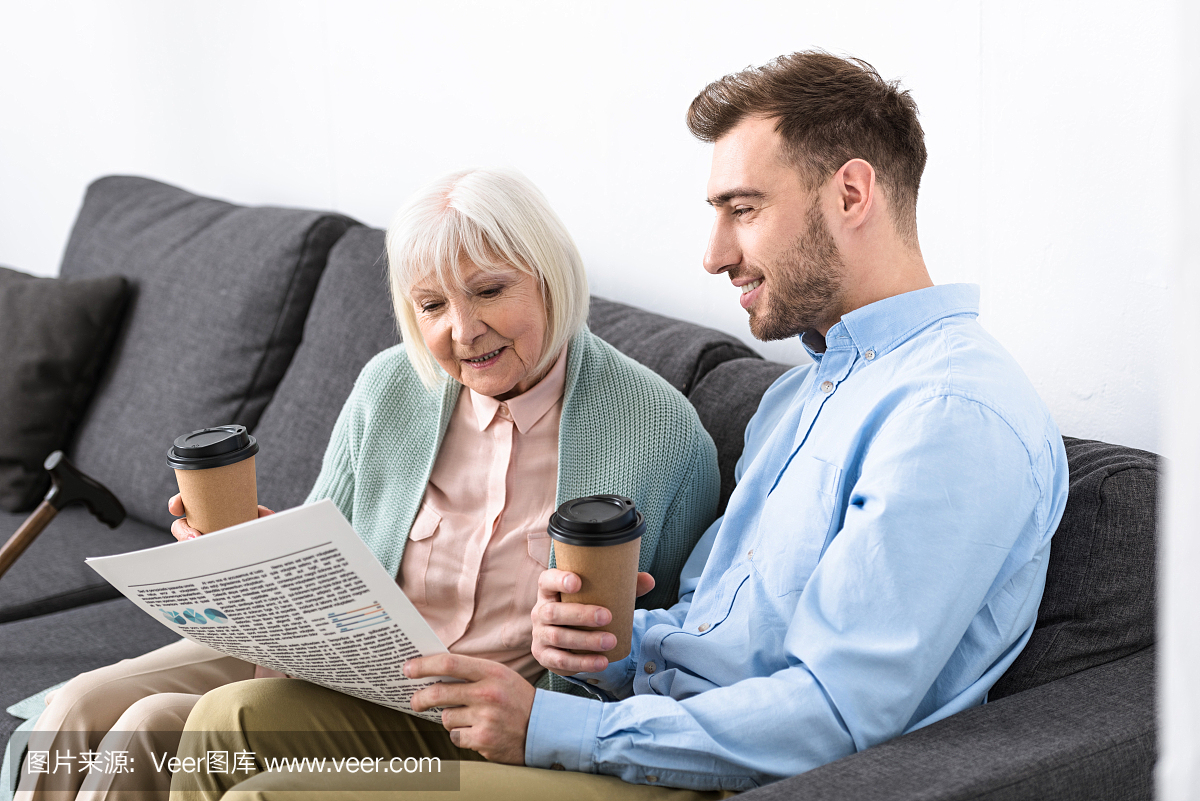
[645,583]
[181,531]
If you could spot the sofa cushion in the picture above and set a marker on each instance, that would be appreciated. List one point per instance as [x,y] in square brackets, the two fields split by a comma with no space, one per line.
[1088,737]
[683,353]
[221,296]
[47,650]
[55,336]
[1099,600]
[725,399]
[350,321]
[51,574]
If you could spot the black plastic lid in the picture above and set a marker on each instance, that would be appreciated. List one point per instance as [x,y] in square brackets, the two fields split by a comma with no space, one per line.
[597,520]
[211,447]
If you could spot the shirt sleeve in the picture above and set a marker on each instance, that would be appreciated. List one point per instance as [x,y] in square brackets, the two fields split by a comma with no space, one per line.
[943,497]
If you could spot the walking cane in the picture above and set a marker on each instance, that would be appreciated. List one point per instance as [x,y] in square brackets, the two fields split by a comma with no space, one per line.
[69,486]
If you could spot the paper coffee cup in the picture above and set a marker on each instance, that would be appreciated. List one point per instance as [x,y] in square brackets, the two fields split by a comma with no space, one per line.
[599,539]
[215,471]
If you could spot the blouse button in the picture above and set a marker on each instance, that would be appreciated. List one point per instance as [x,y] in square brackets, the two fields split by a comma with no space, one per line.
[869,355]
[827,387]
[703,627]
[650,667]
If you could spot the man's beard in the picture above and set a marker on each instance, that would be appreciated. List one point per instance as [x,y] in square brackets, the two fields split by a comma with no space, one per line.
[805,288]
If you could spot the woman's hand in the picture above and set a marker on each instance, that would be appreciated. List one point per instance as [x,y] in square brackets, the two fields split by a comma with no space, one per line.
[555,634]
[180,529]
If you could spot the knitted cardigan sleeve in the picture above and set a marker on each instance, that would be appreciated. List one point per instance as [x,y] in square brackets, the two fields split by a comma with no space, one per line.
[336,479]
[692,509]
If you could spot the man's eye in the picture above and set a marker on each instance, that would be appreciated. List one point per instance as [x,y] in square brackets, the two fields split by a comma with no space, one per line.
[739,211]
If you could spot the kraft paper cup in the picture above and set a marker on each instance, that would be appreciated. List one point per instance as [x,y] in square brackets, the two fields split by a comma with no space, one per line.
[215,471]
[599,538]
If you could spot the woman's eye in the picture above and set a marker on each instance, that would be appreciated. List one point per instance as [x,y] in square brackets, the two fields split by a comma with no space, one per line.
[490,292]
[430,307]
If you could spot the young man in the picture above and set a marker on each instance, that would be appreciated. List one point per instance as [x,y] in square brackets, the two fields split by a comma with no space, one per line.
[881,561]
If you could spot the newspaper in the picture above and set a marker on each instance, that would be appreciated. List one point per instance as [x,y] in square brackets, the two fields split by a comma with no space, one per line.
[297,592]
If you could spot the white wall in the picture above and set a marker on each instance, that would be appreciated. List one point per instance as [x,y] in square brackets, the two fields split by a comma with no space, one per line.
[1179,558]
[1045,127]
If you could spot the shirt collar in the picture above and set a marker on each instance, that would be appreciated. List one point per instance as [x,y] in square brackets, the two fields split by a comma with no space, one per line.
[886,324]
[531,405]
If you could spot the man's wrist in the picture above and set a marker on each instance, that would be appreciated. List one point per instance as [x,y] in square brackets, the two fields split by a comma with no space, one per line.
[562,732]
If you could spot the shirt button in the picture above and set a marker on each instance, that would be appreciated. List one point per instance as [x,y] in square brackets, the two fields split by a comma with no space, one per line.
[869,355]
[650,667]
[651,778]
[703,627]
[557,766]
[827,387]
[593,681]
[750,554]
[503,411]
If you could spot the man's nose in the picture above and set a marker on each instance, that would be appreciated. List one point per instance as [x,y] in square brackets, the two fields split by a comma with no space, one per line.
[722,252]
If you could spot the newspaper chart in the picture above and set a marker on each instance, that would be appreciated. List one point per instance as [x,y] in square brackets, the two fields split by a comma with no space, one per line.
[297,592]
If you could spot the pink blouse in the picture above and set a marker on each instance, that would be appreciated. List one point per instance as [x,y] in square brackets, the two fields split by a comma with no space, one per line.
[479,540]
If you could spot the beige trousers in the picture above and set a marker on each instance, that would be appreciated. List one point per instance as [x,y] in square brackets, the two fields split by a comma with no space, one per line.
[273,718]
[135,708]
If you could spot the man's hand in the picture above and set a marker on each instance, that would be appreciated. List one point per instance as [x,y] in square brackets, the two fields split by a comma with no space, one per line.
[488,713]
[553,637]
[180,529]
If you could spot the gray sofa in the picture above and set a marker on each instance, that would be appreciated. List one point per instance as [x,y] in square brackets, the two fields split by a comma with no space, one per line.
[264,316]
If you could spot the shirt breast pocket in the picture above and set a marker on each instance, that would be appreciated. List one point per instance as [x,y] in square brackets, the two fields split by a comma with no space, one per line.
[794,527]
[414,565]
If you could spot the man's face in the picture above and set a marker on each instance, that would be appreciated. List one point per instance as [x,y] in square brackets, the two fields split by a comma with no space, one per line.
[771,236]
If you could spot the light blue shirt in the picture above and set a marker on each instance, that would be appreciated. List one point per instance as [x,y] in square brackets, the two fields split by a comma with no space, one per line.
[878,568]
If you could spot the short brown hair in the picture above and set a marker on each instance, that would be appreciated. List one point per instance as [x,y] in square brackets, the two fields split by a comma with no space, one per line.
[830,110]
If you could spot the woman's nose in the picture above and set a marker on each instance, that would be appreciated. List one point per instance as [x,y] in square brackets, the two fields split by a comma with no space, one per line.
[466,325]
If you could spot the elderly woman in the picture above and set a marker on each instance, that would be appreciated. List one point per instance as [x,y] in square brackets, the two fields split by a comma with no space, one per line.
[453,450]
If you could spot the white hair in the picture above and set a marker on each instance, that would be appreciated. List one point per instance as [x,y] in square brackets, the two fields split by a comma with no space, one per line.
[496,220]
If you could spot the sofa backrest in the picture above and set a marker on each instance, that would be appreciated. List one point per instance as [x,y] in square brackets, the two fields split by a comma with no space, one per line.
[350,321]
[679,351]
[220,296]
[1099,600]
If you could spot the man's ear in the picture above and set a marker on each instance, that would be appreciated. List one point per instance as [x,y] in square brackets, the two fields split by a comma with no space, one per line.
[855,187]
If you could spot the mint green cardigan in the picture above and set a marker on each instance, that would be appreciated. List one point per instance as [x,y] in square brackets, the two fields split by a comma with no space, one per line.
[624,430]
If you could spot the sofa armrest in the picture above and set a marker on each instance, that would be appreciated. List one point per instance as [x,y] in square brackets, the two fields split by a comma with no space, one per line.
[1088,736]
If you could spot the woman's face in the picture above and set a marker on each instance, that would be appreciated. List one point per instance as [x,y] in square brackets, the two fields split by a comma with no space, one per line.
[489,333]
